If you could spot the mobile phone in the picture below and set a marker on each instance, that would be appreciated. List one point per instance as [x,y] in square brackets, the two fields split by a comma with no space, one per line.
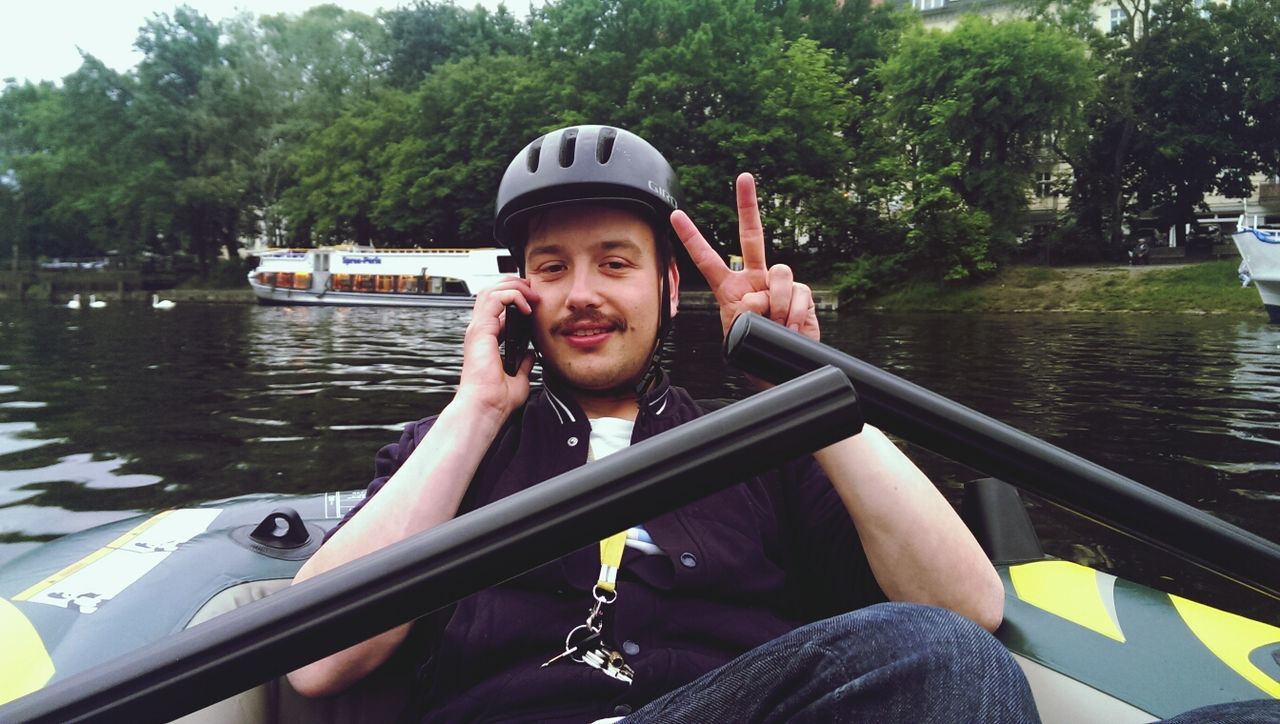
[516,336]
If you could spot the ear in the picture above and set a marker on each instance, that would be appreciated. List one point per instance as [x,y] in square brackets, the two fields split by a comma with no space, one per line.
[673,285]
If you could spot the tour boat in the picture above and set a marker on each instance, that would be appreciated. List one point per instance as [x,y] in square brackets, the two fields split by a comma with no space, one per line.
[360,276]
[1260,249]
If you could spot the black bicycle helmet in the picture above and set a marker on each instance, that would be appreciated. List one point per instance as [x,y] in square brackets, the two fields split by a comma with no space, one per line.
[599,164]
[583,163]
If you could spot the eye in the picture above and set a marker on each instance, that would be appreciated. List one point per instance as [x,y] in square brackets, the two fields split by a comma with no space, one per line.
[551,267]
[616,264]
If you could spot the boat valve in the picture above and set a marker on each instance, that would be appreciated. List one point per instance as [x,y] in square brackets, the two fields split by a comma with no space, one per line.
[282,534]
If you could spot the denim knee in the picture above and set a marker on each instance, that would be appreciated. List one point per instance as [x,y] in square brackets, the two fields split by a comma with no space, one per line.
[934,643]
[891,662]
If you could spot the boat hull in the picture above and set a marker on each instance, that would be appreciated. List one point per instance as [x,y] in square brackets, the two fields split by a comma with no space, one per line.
[1260,250]
[279,296]
[363,277]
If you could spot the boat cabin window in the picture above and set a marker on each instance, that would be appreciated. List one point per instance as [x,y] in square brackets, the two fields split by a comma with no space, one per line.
[507,265]
[456,286]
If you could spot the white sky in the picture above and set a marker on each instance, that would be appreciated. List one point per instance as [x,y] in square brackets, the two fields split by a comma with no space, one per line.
[38,38]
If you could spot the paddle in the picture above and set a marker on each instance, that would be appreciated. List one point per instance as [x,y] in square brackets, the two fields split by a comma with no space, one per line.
[772,352]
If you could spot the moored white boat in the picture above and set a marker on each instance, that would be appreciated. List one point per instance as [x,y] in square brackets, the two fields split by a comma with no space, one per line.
[1260,249]
[378,277]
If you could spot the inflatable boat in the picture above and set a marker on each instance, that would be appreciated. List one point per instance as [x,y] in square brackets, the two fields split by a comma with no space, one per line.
[1094,647]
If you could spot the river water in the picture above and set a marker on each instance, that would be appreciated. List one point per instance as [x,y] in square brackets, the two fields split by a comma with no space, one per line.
[113,412]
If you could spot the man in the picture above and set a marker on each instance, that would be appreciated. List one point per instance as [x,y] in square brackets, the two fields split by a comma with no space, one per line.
[586,211]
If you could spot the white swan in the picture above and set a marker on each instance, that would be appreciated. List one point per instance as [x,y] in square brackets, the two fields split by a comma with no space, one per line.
[74,303]
[95,303]
[158,303]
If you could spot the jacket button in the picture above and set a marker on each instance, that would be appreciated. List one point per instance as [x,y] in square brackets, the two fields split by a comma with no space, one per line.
[621,710]
[630,648]
[573,442]
[688,560]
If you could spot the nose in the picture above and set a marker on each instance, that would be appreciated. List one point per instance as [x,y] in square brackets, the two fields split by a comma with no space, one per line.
[583,293]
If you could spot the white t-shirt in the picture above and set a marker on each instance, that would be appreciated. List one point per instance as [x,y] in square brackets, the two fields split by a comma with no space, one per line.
[608,436]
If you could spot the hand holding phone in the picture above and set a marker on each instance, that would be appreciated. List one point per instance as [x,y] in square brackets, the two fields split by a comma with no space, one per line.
[516,336]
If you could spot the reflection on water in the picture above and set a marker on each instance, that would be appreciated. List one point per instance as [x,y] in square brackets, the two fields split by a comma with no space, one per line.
[107,412]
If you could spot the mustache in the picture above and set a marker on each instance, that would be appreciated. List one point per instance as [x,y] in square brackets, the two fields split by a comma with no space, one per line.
[589,316]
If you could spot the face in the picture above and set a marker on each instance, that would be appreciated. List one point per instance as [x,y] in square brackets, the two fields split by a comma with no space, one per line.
[596,270]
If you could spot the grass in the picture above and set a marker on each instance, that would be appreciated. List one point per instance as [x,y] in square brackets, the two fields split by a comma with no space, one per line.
[1206,287]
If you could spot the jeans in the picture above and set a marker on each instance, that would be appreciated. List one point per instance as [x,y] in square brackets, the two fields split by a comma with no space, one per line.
[892,662]
[1265,711]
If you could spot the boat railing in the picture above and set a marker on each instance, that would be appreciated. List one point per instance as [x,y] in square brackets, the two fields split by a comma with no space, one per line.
[350,248]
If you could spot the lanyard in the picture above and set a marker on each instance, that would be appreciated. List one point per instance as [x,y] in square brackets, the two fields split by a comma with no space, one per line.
[611,548]
[584,643]
[610,560]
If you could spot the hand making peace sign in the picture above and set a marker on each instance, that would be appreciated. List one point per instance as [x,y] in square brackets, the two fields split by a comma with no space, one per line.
[770,292]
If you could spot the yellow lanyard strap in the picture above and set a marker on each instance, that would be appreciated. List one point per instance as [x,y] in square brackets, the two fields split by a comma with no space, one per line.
[610,560]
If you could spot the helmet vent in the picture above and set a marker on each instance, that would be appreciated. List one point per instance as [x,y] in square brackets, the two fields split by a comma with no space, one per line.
[604,144]
[535,152]
[568,143]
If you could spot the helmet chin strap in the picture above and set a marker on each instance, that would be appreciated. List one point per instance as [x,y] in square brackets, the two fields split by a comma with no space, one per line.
[654,367]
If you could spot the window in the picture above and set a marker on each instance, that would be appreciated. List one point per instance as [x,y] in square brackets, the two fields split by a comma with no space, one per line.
[1118,20]
[929,4]
[1044,185]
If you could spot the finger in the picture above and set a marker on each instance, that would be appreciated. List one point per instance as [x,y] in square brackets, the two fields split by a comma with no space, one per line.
[491,304]
[750,230]
[801,307]
[709,263]
[757,302]
[526,367]
[781,285]
[513,291]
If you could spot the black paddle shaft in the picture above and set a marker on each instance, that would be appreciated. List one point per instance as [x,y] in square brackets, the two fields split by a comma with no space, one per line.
[770,351]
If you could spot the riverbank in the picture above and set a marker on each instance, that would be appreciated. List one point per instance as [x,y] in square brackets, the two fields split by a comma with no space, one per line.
[1200,288]
[1210,287]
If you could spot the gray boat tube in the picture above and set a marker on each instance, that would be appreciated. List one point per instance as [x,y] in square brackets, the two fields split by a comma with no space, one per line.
[774,353]
[279,633]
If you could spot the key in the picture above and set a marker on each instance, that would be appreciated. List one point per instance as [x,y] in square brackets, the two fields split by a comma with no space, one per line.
[610,663]
[579,640]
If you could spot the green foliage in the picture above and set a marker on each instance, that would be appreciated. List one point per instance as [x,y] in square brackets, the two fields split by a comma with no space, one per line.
[1192,111]
[975,104]
[883,153]
[429,34]
[1177,82]
[869,275]
[1251,30]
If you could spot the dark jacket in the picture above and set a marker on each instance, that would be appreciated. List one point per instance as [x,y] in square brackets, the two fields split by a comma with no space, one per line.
[741,567]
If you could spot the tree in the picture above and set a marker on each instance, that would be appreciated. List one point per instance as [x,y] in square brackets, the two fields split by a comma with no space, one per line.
[429,34]
[1100,152]
[1251,36]
[183,133]
[339,172]
[971,108]
[69,164]
[309,70]
[1194,133]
